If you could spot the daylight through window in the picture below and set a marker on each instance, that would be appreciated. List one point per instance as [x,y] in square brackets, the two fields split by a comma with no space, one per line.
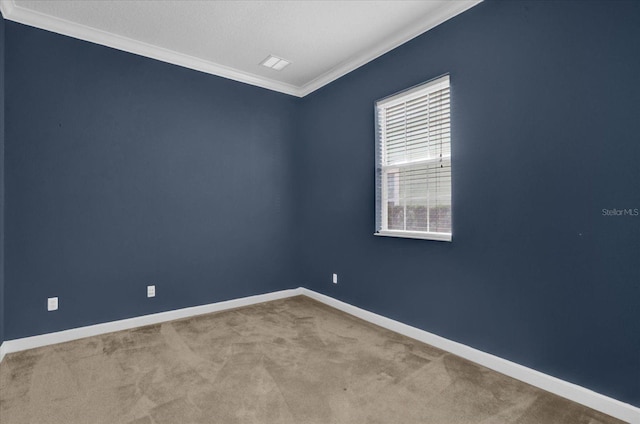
[413,172]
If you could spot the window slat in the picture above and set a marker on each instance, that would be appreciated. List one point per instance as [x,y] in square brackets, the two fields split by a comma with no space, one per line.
[414,167]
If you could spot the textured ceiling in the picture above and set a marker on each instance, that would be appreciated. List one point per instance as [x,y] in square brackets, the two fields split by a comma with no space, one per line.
[322,39]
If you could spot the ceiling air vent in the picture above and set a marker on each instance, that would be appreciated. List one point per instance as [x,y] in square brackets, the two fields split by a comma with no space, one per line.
[275,63]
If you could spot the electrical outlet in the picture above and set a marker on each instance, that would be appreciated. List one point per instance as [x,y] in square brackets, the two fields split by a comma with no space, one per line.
[335,278]
[52,304]
[151,291]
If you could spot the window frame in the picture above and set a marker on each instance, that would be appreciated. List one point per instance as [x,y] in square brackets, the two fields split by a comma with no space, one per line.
[430,86]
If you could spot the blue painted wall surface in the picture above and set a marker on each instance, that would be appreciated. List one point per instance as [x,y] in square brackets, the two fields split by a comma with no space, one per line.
[122,171]
[2,301]
[545,135]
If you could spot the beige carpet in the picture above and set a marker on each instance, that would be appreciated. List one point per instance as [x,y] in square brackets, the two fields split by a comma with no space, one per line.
[288,361]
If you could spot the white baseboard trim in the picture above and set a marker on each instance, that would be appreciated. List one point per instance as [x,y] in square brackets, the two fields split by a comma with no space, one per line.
[17,345]
[581,395]
[586,397]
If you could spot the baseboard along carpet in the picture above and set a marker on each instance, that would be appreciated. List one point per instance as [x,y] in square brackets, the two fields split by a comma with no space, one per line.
[293,360]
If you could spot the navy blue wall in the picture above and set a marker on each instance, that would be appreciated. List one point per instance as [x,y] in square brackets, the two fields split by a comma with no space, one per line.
[2,302]
[122,171]
[545,135]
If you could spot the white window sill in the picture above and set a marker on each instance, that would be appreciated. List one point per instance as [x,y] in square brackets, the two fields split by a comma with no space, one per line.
[414,235]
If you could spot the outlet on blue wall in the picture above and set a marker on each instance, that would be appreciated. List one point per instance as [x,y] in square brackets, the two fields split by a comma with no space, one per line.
[121,170]
[544,136]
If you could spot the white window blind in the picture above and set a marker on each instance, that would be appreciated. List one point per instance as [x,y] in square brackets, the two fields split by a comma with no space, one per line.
[413,172]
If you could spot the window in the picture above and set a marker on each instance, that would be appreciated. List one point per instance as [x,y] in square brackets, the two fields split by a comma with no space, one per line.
[413,170]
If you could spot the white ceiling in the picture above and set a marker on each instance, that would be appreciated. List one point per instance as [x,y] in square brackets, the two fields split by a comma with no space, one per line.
[323,40]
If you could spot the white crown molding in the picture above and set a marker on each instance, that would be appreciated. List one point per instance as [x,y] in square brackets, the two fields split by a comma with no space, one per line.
[578,394]
[453,8]
[15,13]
